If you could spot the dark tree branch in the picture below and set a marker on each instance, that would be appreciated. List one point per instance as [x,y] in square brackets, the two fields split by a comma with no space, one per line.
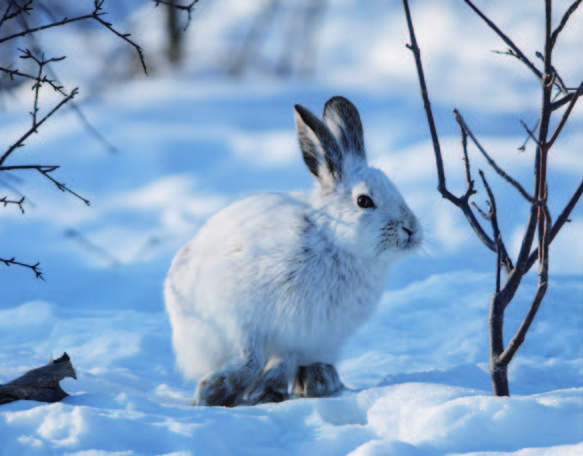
[34,128]
[33,267]
[24,9]
[188,8]
[517,52]
[46,170]
[125,37]
[44,80]
[523,147]
[491,161]
[561,220]
[463,202]
[96,15]
[566,115]
[18,203]
[58,87]
[564,21]
[518,338]
[529,131]
[563,101]
[41,384]
[539,218]
[493,216]
[47,26]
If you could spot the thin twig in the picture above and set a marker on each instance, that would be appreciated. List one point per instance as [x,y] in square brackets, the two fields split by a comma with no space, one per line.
[44,80]
[518,338]
[518,53]
[46,170]
[565,117]
[21,9]
[561,220]
[491,161]
[95,15]
[34,128]
[188,8]
[18,203]
[55,79]
[462,203]
[563,22]
[529,131]
[33,267]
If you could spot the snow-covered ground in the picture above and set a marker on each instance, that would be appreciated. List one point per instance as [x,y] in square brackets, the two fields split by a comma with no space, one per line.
[190,144]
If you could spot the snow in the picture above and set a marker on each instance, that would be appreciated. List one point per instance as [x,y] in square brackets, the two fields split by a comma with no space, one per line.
[190,144]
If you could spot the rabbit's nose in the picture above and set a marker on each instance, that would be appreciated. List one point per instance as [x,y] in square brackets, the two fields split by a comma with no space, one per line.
[408,231]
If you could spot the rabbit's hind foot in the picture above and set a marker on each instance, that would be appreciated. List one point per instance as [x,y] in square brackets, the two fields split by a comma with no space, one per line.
[317,380]
[272,386]
[226,386]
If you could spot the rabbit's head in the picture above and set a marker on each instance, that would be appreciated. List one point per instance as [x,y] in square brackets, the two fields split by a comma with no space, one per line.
[358,205]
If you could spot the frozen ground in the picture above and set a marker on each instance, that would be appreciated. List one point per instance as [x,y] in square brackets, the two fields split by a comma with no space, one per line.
[416,374]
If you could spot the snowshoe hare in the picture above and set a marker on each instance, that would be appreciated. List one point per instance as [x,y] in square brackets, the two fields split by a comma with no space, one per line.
[272,286]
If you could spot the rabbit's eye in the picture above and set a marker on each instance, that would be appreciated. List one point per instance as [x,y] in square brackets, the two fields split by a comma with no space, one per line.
[365,202]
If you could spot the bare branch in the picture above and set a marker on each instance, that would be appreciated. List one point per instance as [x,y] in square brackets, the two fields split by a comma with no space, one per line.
[561,220]
[24,9]
[517,52]
[47,26]
[44,80]
[469,181]
[566,115]
[46,171]
[462,203]
[18,203]
[34,128]
[123,36]
[95,15]
[564,21]
[490,161]
[523,147]
[55,79]
[518,338]
[529,131]
[33,267]
[188,8]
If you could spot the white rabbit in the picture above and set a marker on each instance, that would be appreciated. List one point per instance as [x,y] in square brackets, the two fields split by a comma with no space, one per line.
[272,286]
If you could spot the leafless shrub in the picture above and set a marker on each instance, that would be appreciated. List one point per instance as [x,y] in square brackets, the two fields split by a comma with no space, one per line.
[18,23]
[541,230]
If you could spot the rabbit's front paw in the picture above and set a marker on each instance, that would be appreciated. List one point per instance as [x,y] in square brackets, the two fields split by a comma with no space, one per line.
[217,389]
[317,380]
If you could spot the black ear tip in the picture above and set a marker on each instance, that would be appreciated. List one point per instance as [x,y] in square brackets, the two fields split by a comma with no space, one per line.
[299,108]
[338,101]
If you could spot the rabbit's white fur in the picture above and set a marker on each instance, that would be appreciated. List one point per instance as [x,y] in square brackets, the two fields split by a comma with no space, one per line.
[287,278]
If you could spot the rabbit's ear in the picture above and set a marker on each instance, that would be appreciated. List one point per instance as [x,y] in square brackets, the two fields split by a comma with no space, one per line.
[321,151]
[342,118]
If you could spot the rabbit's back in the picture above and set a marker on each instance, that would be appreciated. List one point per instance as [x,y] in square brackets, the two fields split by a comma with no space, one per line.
[220,286]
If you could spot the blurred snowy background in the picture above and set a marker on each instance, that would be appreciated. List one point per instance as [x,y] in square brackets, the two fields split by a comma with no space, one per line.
[213,123]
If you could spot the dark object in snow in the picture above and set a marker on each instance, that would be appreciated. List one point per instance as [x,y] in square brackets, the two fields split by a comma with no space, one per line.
[41,384]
